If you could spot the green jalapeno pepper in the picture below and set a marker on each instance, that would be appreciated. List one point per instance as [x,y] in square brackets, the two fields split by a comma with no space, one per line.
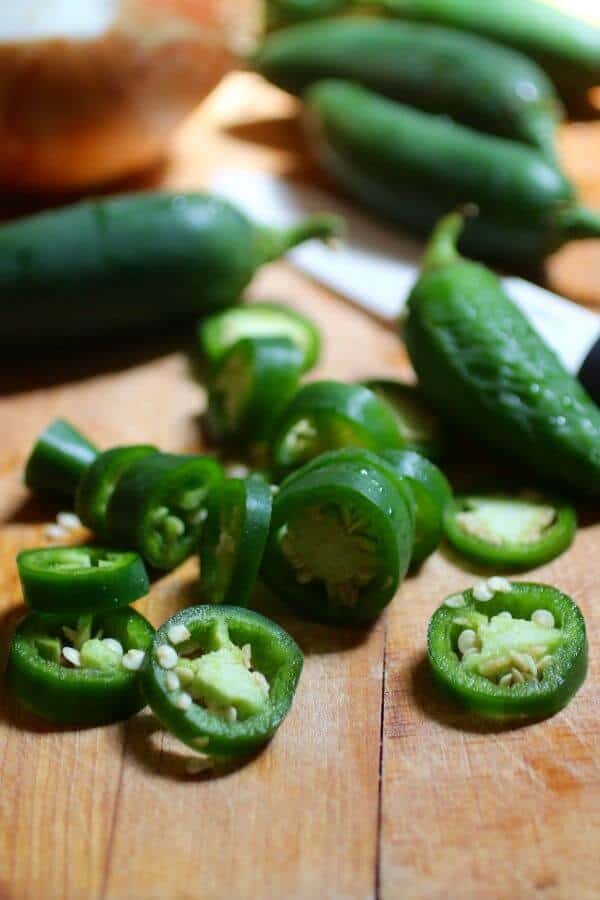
[79,670]
[340,542]
[419,427]
[509,650]
[250,387]
[99,481]
[439,70]
[159,505]
[412,167]
[217,334]
[58,460]
[326,415]
[431,493]
[80,579]
[233,540]
[280,13]
[483,368]
[507,530]
[221,679]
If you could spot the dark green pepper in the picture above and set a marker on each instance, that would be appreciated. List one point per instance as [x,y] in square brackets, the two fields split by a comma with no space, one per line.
[436,69]
[233,540]
[413,167]
[80,579]
[484,368]
[158,506]
[79,671]
[280,13]
[340,542]
[139,261]
[58,460]
[509,531]
[326,415]
[221,679]
[507,650]
[420,428]
[99,481]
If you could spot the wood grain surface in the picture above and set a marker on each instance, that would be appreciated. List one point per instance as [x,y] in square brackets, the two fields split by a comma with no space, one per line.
[374,786]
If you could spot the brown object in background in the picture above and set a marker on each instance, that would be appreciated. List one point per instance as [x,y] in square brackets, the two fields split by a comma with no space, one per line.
[79,111]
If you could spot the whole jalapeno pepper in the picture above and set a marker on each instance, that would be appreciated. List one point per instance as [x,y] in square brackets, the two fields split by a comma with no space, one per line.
[80,579]
[158,506]
[340,542]
[326,415]
[58,460]
[518,531]
[79,670]
[420,428]
[221,679]
[509,650]
[99,481]
[233,539]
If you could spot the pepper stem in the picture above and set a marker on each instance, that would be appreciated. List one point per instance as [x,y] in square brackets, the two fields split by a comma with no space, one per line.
[579,222]
[274,242]
[441,249]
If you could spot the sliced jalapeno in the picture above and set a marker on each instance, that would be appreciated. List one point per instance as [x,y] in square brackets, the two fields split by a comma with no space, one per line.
[221,679]
[500,529]
[233,540]
[79,670]
[59,458]
[80,579]
[509,649]
[419,426]
[327,415]
[431,493]
[159,505]
[219,333]
[249,388]
[340,542]
[99,481]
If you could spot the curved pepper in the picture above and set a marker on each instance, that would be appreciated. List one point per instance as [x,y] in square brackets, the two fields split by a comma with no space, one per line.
[59,458]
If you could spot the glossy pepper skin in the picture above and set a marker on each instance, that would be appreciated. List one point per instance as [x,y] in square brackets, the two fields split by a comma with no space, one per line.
[80,579]
[58,460]
[233,540]
[440,70]
[385,519]
[76,696]
[140,261]
[530,699]
[274,653]
[483,367]
[280,13]
[412,167]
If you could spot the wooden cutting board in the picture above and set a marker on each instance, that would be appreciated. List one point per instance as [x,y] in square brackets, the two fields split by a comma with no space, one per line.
[374,785]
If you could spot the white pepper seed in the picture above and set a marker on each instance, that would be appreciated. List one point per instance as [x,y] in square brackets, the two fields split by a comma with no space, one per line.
[455,601]
[54,532]
[113,645]
[132,660]
[72,656]
[506,680]
[183,702]
[517,676]
[167,657]
[499,585]
[178,634]
[482,592]
[466,640]
[68,520]
[172,681]
[543,618]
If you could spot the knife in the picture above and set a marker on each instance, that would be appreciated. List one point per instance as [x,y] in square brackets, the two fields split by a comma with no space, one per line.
[376,267]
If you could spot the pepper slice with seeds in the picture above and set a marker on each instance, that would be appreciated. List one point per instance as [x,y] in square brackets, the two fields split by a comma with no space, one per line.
[159,505]
[58,460]
[221,679]
[520,654]
[340,541]
[233,540]
[420,428]
[80,579]
[507,530]
[79,670]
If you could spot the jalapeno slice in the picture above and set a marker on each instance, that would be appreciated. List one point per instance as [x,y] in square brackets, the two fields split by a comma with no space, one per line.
[326,415]
[508,530]
[99,481]
[431,493]
[233,540]
[250,387]
[80,579]
[340,543]
[217,334]
[221,679]
[419,426]
[159,506]
[506,649]
[58,459]
[79,670]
